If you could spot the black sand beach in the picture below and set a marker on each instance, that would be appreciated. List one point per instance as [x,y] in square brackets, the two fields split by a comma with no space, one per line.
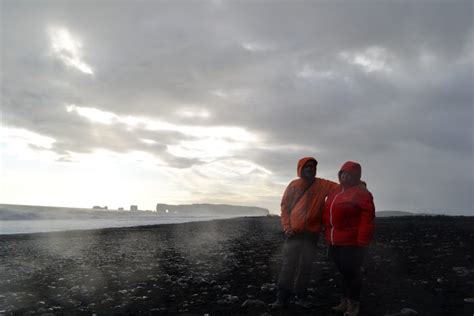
[421,263]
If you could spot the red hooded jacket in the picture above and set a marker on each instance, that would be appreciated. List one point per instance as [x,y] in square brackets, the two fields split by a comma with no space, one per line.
[304,214]
[348,215]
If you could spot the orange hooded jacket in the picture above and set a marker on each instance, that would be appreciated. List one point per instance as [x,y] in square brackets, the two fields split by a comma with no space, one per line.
[304,214]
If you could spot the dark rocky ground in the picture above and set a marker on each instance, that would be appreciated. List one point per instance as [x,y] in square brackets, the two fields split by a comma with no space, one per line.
[421,263]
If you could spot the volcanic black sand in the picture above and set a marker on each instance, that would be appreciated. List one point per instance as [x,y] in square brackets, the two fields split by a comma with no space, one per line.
[421,263]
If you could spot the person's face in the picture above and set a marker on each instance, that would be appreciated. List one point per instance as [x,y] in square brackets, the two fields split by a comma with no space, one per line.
[346,179]
[309,170]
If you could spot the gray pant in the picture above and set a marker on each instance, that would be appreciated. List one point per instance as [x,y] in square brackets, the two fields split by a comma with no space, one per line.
[298,255]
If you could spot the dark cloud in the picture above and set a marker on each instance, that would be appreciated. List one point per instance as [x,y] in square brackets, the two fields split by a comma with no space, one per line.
[388,83]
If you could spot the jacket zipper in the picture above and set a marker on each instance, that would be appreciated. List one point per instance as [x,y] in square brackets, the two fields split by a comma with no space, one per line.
[330,219]
[306,207]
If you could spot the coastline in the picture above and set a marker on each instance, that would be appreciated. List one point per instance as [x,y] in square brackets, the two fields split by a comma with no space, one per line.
[213,267]
[14,227]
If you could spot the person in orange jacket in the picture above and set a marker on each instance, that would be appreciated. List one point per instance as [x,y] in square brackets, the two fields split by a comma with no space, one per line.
[348,219]
[301,208]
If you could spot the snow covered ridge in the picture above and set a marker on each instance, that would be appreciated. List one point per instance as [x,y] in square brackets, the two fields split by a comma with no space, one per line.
[32,212]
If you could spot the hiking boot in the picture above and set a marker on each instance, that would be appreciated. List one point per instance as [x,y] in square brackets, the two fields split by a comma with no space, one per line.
[342,307]
[352,308]
[283,296]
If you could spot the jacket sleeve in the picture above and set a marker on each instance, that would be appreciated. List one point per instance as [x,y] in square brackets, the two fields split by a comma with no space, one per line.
[286,202]
[333,186]
[329,186]
[366,226]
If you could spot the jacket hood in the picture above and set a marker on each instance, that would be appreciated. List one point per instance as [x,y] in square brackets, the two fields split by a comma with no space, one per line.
[353,168]
[301,164]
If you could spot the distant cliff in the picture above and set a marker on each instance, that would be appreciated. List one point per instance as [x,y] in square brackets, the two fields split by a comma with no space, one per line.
[34,212]
[401,213]
[211,209]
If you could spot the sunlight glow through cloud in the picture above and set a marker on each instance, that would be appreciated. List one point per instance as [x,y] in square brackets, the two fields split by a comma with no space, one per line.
[256,47]
[372,59]
[68,49]
[310,72]
[237,94]
[103,159]
[26,145]
[93,114]
[211,143]
[24,136]
[206,149]
[220,93]
[103,117]
[194,114]
[232,168]
[148,141]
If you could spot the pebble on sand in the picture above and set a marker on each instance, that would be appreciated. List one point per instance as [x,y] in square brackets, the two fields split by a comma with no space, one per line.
[254,305]
[404,311]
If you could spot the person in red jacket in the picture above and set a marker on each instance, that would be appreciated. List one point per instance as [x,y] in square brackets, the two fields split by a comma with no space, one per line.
[348,219]
[301,208]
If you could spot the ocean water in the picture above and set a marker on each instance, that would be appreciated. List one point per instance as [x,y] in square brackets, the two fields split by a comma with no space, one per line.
[8,227]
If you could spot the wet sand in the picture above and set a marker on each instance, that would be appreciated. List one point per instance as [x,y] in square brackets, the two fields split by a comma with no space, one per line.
[215,267]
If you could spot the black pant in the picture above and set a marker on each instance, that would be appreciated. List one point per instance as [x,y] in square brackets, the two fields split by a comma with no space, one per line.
[348,260]
[298,255]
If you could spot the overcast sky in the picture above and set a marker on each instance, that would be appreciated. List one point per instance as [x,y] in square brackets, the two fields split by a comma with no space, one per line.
[134,102]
